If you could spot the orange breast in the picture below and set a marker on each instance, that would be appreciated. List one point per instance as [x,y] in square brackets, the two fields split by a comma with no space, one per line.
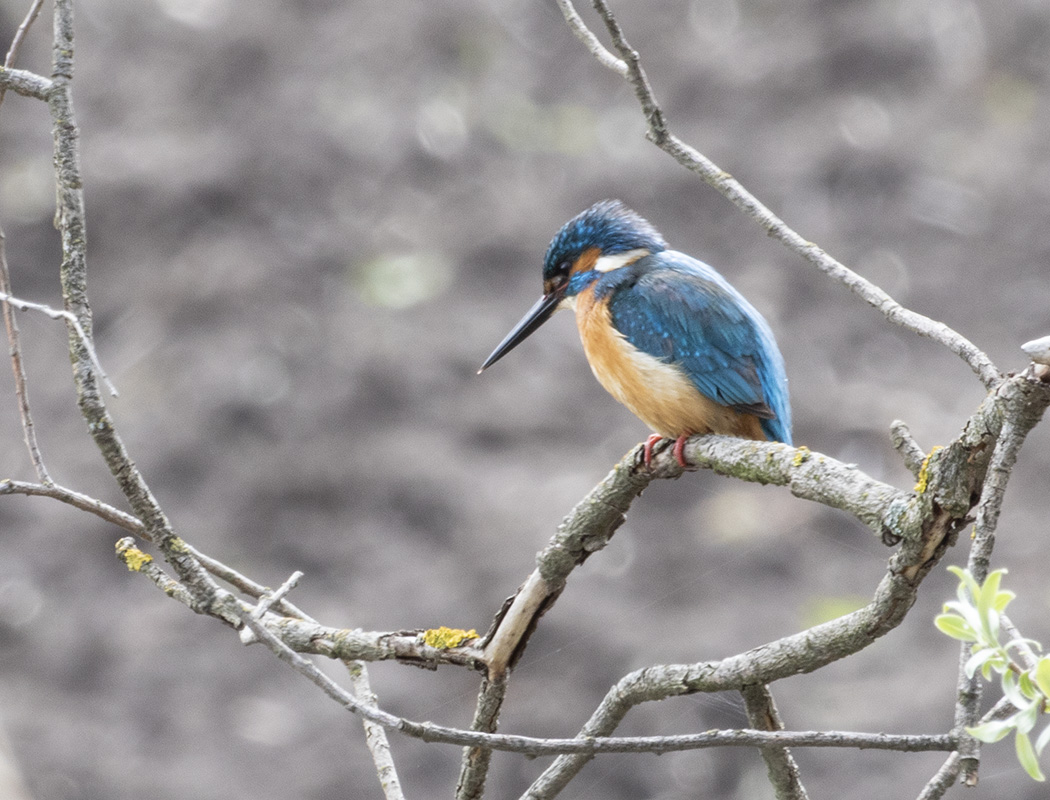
[659,394]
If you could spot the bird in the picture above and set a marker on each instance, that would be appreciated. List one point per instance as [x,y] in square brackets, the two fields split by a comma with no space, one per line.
[664,334]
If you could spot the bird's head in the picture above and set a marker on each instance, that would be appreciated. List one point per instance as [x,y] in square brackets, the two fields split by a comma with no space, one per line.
[606,236]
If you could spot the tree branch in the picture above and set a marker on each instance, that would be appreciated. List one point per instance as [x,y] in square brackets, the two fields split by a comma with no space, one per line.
[27,84]
[905,444]
[21,382]
[1019,419]
[783,771]
[735,192]
[69,218]
[375,734]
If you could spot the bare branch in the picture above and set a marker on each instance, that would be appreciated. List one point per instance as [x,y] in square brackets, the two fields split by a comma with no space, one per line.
[26,305]
[70,220]
[1038,350]
[905,444]
[475,765]
[375,734]
[734,191]
[946,776]
[266,600]
[27,84]
[17,366]
[783,771]
[16,42]
[943,779]
[75,499]
[1019,421]
[590,41]
[20,34]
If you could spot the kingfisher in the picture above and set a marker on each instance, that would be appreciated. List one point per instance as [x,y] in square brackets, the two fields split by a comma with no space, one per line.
[664,333]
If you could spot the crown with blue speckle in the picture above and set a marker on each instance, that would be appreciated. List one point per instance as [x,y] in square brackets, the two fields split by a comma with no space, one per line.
[610,226]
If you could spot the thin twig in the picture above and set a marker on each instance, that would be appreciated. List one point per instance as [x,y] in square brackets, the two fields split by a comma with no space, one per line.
[474,767]
[268,599]
[783,771]
[16,42]
[77,500]
[948,773]
[1015,428]
[734,191]
[70,219]
[229,608]
[129,523]
[18,367]
[54,313]
[21,382]
[905,444]
[375,734]
[1028,657]
[590,41]
[942,780]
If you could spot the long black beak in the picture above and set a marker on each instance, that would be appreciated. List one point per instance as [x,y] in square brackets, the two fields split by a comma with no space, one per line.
[535,317]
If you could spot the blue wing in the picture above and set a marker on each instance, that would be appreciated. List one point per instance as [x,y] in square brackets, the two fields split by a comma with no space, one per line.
[685,313]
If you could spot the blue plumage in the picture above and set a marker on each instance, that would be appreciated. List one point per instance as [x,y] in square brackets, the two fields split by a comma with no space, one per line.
[683,312]
[666,334]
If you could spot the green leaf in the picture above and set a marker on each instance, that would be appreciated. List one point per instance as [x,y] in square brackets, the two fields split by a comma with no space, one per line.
[956,627]
[983,659]
[986,605]
[966,581]
[1043,740]
[991,731]
[1041,673]
[1026,755]
[1025,720]
[1028,686]
[1002,600]
[1013,694]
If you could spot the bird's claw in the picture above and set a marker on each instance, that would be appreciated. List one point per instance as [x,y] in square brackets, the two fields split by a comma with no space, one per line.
[678,451]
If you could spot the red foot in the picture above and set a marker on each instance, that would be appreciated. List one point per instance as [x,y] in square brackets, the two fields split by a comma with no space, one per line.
[647,449]
[679,450]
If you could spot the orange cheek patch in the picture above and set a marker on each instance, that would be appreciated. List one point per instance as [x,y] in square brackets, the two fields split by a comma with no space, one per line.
[588,258]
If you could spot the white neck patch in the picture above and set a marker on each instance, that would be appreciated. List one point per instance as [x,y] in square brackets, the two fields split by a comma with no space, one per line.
[609,263]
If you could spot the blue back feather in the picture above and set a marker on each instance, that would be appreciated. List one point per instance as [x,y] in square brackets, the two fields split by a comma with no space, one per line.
[683,312]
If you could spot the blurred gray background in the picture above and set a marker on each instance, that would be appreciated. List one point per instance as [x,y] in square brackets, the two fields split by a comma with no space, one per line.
[309,222]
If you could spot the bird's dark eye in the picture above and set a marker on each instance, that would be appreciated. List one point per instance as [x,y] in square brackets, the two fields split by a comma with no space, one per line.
[565,267]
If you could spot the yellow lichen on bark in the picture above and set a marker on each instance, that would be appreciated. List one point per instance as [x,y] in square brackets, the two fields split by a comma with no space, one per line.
[443,638]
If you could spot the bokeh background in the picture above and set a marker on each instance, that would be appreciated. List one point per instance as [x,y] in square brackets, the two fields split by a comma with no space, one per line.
[309,222]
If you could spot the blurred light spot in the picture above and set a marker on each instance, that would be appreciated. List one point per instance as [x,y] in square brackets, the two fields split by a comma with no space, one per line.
[948,205]
[265,721]
[826,608]
[264,380]
[731,515]
[441,129]
[864,122]
[28,190]
[1011,100]
[885,269]
[20,602]
[196,13]
[523,126]
[713,21]
[959,38]
[400,281]
[621,133]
